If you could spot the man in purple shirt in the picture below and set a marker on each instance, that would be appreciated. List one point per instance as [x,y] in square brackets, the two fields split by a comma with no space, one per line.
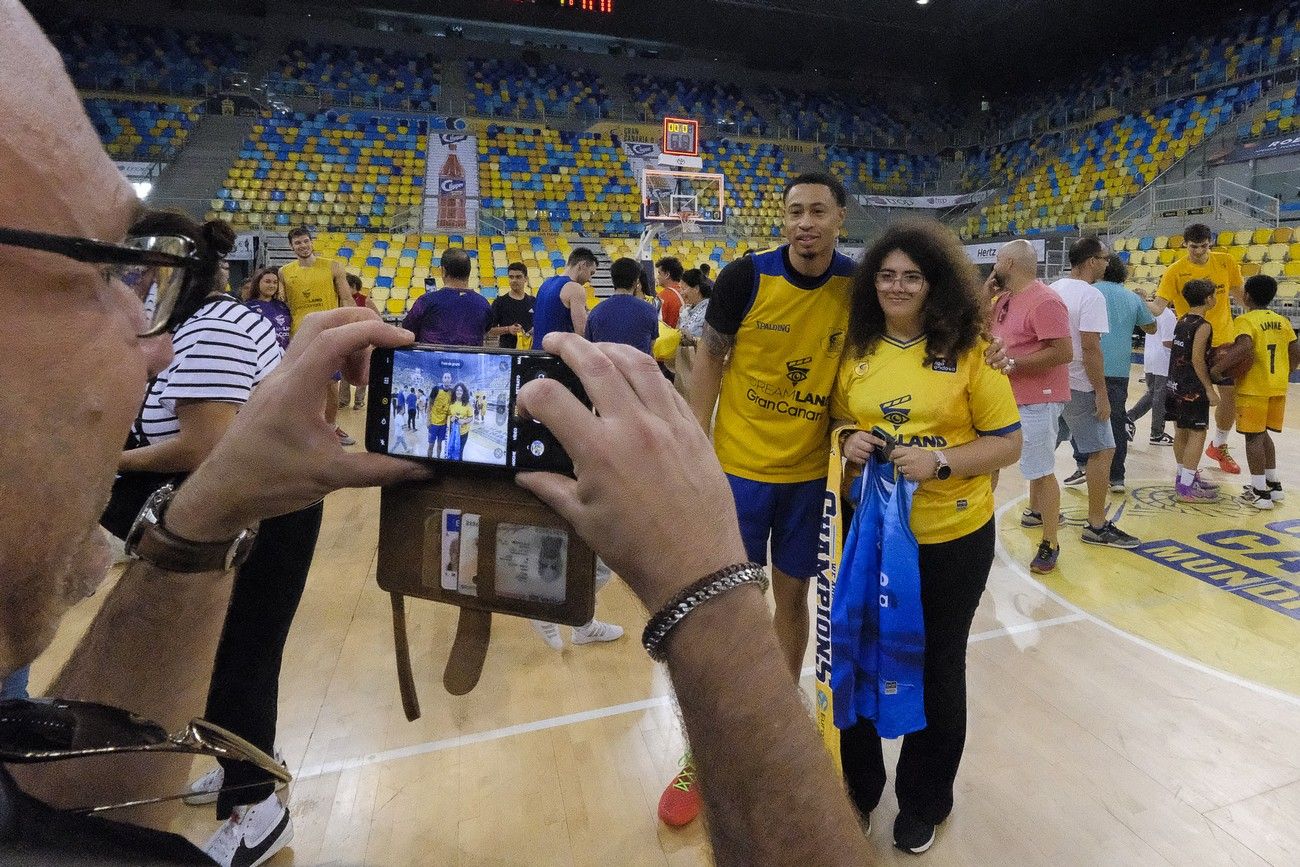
[454,315]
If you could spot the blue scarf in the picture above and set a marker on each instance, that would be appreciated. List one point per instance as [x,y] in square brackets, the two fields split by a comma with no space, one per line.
[877,627]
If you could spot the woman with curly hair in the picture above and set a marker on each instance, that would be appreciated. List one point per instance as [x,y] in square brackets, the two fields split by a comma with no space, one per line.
[914,366]
[264,294]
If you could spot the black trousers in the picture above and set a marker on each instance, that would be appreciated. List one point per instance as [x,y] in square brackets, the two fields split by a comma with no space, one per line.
[245,688]
[953,575]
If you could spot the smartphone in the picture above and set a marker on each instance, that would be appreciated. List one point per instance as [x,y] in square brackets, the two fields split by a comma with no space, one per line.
[887,450]
[456,404]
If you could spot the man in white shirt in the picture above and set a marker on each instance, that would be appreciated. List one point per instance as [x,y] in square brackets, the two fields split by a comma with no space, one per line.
[1155,365]
[1088,413]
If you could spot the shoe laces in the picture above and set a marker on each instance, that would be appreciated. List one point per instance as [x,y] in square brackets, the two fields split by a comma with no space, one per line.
[685,779]
[1045,549]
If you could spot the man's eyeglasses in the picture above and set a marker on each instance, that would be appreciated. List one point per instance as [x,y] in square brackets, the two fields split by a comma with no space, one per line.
[154,267]
[51,729]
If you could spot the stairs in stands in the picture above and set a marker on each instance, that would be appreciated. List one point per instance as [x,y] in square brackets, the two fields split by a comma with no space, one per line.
[192,180]
[600,282]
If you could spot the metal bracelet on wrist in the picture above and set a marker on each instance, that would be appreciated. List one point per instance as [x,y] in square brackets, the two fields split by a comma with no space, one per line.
[709,587]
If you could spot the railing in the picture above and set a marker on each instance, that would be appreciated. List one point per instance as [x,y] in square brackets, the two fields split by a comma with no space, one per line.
[1231,202]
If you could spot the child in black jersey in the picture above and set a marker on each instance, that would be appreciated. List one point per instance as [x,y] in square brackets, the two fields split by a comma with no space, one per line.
[1190,394]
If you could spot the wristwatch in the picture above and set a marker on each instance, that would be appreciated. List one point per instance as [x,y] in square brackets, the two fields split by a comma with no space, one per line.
[149,539]
[941,469]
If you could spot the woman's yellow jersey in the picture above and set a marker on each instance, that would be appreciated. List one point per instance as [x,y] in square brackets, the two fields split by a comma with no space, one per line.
[934,407]
[774,404]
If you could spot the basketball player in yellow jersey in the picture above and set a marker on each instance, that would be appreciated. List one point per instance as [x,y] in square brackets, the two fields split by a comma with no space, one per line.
[312,284]
[1221,270]
[1261,390]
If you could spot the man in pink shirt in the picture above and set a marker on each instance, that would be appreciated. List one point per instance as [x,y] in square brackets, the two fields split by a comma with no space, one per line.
[1034,325]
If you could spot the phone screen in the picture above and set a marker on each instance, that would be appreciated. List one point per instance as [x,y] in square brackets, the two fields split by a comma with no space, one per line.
[458,405]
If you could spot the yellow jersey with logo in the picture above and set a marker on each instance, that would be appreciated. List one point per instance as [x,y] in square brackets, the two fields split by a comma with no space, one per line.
[462,413]
[773,415]
[308,290]
[1221,270]
[439,407]
[1270,372]
[939,406]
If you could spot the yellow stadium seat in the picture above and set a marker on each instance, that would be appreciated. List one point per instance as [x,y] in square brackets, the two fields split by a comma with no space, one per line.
[1256,252]
[395,306]
[1277,252]
[1292,269]
[1261,236]
[1249,269]
[1226,239]
[1237,252]
[1166,257]
[1272,269]
[1283,235]
[1288,289]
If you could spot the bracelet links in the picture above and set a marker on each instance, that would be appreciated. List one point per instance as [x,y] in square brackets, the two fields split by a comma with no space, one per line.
[711,586]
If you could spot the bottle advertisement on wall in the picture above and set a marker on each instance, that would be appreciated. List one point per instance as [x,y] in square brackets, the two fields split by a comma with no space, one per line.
[451,184]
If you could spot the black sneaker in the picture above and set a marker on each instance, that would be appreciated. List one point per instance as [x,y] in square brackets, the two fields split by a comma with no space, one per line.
[1109,534]
[1078,477]
[1161,439]
[1130,428]
[1030,518]
[912,834]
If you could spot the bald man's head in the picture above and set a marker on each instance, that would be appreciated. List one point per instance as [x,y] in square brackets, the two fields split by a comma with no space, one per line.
[1017,263]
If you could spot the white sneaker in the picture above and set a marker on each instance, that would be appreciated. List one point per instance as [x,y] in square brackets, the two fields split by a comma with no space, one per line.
[252,834]
[204,790]
[550,633]
[596,630]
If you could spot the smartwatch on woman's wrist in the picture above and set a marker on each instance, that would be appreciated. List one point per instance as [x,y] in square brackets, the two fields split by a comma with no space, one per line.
[941,469]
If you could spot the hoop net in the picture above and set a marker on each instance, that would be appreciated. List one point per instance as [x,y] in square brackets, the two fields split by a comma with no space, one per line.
[689,226]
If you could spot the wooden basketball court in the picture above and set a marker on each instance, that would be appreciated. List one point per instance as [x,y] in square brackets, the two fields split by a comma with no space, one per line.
[1134,708]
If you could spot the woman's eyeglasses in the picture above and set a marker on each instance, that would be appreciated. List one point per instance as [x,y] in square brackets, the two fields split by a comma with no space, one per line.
[154,267]
[912,281]
[51,729]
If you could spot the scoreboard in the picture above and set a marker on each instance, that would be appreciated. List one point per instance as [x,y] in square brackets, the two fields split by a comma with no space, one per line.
[602,6]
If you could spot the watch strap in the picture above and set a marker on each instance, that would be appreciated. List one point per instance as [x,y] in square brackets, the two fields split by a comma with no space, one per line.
[168,551]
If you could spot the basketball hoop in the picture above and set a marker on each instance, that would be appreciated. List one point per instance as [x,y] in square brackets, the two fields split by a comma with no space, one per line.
[689,224]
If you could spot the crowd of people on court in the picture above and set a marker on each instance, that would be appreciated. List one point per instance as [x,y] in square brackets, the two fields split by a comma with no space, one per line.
[229,411]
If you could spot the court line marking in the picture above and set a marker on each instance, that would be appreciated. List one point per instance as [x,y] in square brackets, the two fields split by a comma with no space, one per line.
[338,765]
[1196,665]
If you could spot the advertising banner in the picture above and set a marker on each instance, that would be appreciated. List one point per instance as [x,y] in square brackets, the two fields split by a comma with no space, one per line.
[451,183]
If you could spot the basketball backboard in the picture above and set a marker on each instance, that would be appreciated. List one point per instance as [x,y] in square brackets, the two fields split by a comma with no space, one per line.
[666,195]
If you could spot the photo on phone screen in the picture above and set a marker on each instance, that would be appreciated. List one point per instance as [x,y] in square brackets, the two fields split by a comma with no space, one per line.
[441,403]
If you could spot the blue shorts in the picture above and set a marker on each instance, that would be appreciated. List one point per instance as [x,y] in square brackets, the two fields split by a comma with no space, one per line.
[338,376]
[437,433]
[789,513]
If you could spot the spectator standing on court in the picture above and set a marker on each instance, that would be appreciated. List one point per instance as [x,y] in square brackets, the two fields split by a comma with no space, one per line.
[264,294]
[695,292]
[454,315]
[361,299]
[622,317]
[313,284]
[1087,414]
[1261,393]
[1191,390]
[668,277]
[1034,325]
[706,270]
[562,299]
[1125,311]
[1222,270]
[1155,368]
[514,310]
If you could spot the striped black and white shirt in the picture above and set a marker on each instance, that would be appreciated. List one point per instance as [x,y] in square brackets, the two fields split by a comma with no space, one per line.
[221,353]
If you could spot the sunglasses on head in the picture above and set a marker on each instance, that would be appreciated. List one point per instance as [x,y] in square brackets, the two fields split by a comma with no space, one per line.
[36,730]
[153,266]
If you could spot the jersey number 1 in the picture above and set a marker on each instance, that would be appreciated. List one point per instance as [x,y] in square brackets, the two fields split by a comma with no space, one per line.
[1272,358]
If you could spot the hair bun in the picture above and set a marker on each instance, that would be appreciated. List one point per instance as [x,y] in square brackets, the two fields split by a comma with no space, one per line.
[219,237]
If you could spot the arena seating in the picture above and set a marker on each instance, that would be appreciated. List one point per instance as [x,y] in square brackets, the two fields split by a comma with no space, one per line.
[543,180]
[1246,45]
[714,103]
[350,75]
[121,57]
[881,171]
[1279,118]
[828,116]
[141,131]
[756,176]
[331,170]
[1262,250]
[1084,175]
[510,88]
